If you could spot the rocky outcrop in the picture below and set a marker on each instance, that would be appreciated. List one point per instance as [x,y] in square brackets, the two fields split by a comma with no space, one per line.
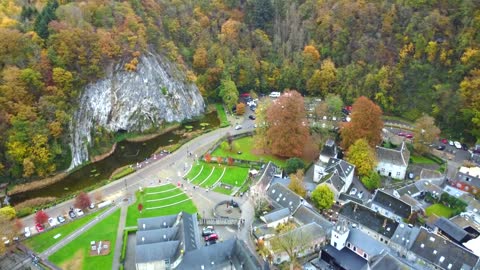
[133,101]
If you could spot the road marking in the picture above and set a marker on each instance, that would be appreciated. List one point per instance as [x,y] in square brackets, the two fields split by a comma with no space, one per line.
[189,169]
[207,177]
[201,169]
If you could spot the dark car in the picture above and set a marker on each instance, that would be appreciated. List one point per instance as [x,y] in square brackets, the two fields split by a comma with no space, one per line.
[71,214]
[464,147]
[345,111]
[251,117]
[441,147]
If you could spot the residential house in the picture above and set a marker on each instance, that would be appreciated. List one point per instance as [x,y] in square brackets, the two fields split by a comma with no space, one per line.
[390,206]
[387,261]
[439,252]
[282,197]
[305,215]
[329,151]
[173,242]
[467,179]
[338,174]
[275,217]
[393,162]
[452,231]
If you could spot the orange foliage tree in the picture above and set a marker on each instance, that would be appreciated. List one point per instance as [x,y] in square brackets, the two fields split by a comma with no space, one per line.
[366,123]
[287,127]
[208,157]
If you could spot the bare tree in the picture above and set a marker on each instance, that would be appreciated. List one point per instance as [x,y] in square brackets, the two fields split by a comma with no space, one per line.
[292,243]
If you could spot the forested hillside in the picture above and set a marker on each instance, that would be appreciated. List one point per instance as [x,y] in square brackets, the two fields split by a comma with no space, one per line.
[409,56]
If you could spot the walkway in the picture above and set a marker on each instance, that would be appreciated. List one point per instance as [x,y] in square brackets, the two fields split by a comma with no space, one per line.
[119,243]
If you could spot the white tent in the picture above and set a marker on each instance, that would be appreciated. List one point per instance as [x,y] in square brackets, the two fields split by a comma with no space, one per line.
[474,245]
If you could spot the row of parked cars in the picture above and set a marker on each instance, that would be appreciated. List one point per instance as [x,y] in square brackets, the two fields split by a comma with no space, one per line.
[209,235]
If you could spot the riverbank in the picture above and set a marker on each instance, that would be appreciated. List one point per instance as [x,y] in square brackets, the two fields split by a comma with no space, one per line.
[146,137]
[37,184]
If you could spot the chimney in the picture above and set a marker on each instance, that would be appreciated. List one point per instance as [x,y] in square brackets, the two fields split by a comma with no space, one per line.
[384,223]
[355,207]
[143,239]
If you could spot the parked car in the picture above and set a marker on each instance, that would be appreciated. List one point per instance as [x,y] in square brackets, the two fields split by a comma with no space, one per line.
[71,214]
[5,240]
[211,237]
[207,232]
[238,127]
[212,242]
[411,175]
[39,227]
[245,95]
[91,206]
[78,212]
[409,136]
[464,147]
[360,194]
[402,134]
[450,143]
[27,232]
[52,222]
[441,147]
[353,191]
[457,144]
[251,117]
[61,219]
[444,141]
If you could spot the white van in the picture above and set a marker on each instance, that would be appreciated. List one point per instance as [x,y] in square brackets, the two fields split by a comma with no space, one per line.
[274,94]
[103,204]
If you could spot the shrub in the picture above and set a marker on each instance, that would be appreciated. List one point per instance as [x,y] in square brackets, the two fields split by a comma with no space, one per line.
[293,165]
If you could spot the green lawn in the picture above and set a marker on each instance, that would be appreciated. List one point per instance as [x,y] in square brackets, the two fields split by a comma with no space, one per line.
[421,160]
[41,242]
[214,177]
[246,145]
[133,214]
[207,169]
[193,171]
[439,209]
[235,176]
[223,190]
[222,115]
[75,255]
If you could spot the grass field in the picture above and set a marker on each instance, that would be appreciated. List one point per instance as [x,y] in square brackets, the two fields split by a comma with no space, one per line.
[222,115]
[161,200]
[75,255]
[421,160]
[223,190]
[246,145]
[233,176]
[439,210]
[43,241]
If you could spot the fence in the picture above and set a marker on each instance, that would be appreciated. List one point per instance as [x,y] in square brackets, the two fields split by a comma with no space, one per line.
[219,221]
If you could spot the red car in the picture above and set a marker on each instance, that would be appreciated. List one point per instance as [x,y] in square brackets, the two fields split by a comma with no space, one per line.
[211,237]
[39,227]
[444,141]
[403,134]
[409,136]
[245,95]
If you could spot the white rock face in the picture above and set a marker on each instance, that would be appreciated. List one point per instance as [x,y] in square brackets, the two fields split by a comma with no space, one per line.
[133,101]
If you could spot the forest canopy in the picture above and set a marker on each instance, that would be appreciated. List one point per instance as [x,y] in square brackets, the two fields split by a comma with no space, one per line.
[410,57]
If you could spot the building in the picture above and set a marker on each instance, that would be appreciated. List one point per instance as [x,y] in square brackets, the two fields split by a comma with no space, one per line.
[440,253]
[329,151]
[337,173]
[467,179]
[392,162]
[452,231]
[275,217]
[390,206]
[282,197]
[173,242]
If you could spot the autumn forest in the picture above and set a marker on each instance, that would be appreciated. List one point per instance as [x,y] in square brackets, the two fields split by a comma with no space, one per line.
[408,56]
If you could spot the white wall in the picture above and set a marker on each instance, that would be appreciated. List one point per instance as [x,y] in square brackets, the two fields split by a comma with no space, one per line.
[397,172]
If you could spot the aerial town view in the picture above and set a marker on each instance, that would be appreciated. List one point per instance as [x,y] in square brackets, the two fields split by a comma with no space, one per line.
[240,134]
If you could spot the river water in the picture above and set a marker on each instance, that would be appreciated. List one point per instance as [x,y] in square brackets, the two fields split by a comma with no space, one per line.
[125,153]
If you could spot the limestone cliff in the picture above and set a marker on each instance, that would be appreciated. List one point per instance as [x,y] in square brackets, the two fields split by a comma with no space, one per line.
[133,101]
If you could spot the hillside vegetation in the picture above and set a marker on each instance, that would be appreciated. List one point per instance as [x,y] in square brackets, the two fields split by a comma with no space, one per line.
[409,56]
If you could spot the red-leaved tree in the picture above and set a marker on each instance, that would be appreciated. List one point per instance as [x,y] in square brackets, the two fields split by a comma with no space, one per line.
[219,160]
[140,207]
[82,201]
[41,217]
[230,161]
[208,157]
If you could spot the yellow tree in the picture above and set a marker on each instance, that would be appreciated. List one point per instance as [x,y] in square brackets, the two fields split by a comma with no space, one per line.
[200,58]
[296,183]
[425,133]
[362,156]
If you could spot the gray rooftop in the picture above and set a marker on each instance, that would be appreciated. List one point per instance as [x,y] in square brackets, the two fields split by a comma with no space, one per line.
[189,228]
[392,204]
[340,167]
[276,215]
[398,157]
[369,218]
[306,215]
[347,197]
[470,179]
[329,149]
[154,223]
[442,252]
[387,261]
[451,230]
[158,235]
[411,190]
[365,242]
[405,235]
[284,197]
[222,255]
[345,258]
[156,251]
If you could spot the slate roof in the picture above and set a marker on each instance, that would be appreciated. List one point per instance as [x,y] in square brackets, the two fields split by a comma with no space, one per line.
[158,235]
[306,215]
[367,217]
[346,197]
[451,230]
[387,261]
[365,242]
[232,252]
[156,222]
[284,197]
[392,204]
[405,235]
[393,156]
[189,228]
[337,182]
[442,252]
[411,190]
[156,251]
[340,167]
[329,149]
[345,258]
[468,176]
[276,215]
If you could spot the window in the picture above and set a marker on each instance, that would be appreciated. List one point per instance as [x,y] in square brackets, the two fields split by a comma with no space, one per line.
[348,245]
[335,244]
[365,255]
[354,248]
